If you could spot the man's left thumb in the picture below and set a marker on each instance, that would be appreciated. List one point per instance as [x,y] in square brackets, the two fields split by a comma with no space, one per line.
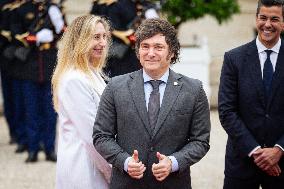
[160,156]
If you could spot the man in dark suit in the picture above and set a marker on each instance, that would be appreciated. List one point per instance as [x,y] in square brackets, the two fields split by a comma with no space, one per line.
[251,105]
[162,115]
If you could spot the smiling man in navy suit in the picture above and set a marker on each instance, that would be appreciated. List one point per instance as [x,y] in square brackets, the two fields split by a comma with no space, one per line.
[251,105]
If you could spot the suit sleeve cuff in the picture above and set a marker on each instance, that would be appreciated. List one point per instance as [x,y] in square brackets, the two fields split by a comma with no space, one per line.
[256,148]
[125,167]
[174,163]
[280,147]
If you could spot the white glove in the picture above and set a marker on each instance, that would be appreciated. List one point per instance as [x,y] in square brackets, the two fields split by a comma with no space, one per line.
[151,13]
[44,36]
[56,18]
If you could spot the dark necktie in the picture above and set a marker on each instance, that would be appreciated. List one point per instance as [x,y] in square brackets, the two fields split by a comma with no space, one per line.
[154,103]
[267,72]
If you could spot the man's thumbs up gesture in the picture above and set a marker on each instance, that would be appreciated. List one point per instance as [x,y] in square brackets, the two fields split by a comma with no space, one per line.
[163,168]
[135,168]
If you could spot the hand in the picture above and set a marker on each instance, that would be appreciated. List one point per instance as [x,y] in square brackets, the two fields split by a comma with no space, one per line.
[151,13]
[163,168]
[44,36]
[265,158]
[135,169]
[274,171]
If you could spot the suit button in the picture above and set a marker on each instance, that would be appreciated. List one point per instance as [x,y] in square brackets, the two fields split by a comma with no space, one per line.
[152,149]
[267,115]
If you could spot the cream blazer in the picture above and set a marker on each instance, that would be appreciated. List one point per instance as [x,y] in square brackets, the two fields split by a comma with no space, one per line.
[79,166]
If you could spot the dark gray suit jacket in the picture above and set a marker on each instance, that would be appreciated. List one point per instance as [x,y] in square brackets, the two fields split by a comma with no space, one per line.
[247,116]
[182,129]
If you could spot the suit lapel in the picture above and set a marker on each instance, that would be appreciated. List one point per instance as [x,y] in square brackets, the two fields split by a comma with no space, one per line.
[171,92]
[136,88]
[278,74]
[252,60]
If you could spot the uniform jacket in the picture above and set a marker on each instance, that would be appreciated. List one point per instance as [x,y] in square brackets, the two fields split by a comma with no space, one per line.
[5,16]
[248,118]
[182,129]
[120,13]
[40,63]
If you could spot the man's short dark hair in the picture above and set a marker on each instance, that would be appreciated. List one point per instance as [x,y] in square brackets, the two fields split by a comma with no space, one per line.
[270,3]
[152,27]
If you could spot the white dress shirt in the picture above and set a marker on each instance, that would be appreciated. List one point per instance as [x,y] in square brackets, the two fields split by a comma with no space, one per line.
[262,54]
[148,87]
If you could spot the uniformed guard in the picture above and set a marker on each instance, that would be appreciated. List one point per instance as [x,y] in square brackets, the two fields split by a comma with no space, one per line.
[37,24]
[16,118]
[125,16]
[5,39]
[12,95]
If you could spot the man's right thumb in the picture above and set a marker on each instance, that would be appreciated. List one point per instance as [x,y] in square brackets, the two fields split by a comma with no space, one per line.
[135,156]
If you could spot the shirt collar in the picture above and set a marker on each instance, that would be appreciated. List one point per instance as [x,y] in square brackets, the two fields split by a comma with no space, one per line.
[261,48]
[164,78]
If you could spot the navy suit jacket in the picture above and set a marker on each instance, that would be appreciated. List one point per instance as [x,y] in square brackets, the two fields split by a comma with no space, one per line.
[249,118]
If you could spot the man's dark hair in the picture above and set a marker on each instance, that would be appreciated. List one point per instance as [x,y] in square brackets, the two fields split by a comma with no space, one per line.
[152,27]
[270,3]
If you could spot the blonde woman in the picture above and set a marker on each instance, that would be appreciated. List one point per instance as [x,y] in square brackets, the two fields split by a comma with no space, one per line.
[77,87]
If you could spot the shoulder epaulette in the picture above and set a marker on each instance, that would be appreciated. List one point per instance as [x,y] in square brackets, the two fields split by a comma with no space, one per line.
[7,6]
[107,2]
[17,4]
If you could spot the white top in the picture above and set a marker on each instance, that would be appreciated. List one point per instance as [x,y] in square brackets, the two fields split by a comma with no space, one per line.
[78,163]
